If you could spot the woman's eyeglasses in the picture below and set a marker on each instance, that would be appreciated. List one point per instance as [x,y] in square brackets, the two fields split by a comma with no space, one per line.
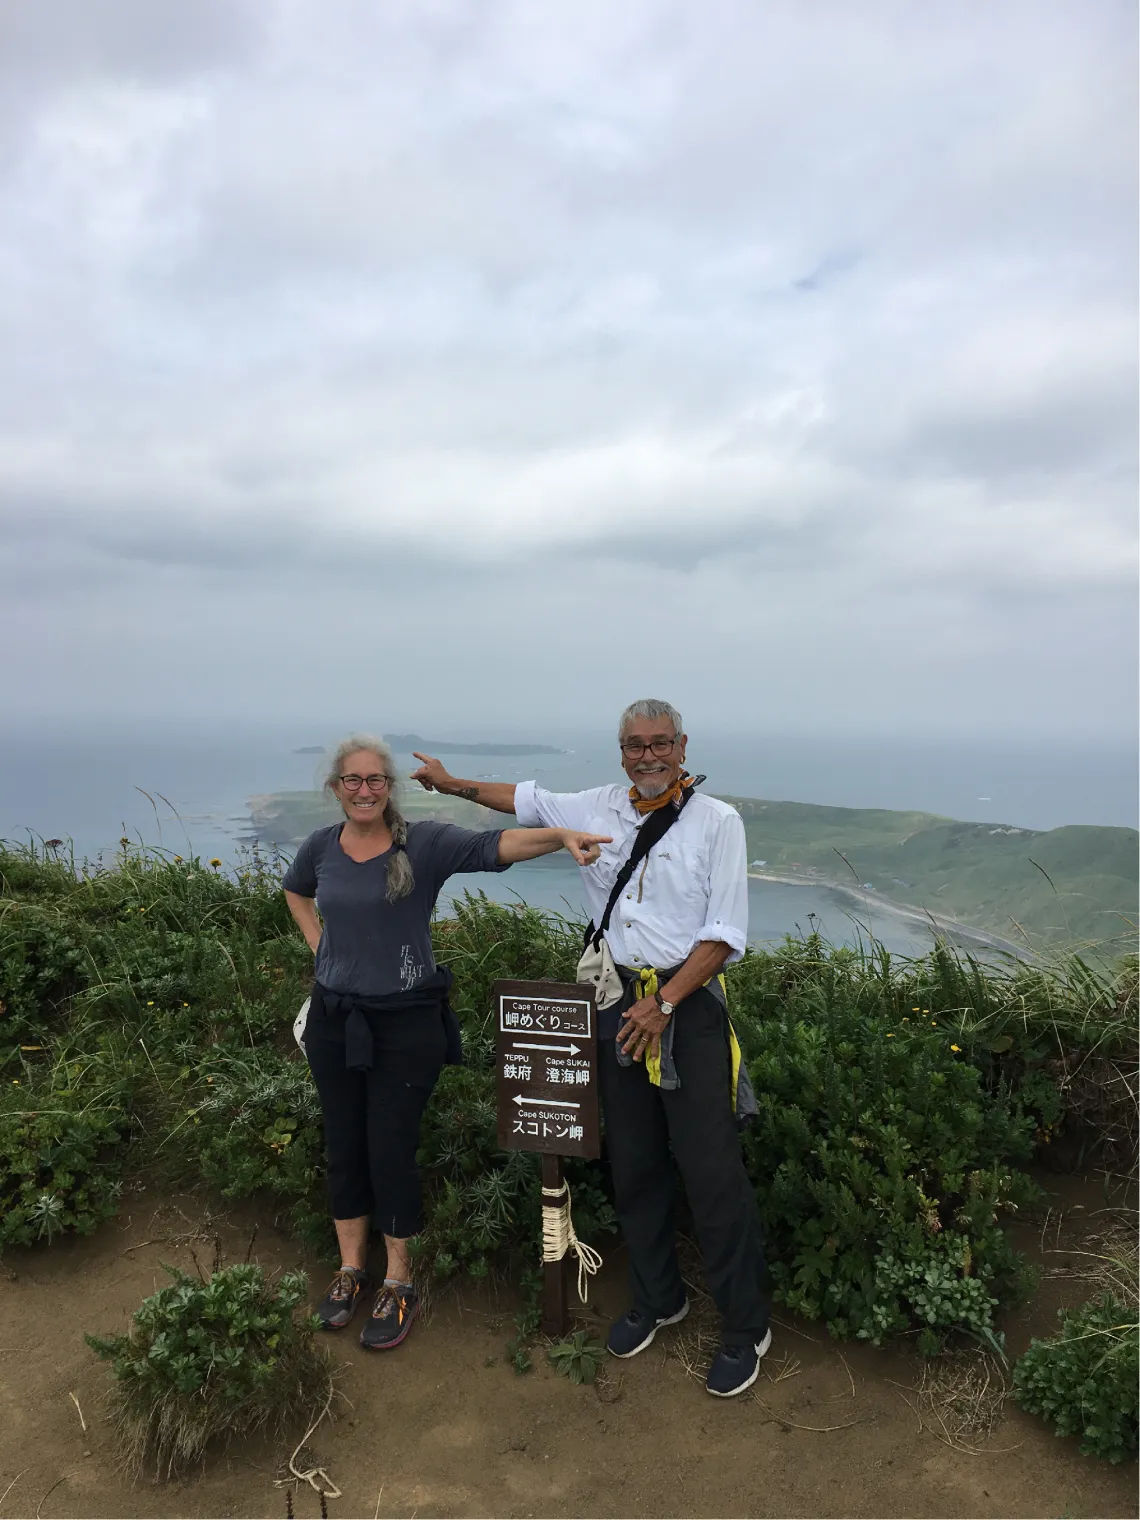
[354,783]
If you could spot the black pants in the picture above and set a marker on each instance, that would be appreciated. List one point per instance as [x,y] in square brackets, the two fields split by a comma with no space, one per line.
[372,1118]
[646,1129]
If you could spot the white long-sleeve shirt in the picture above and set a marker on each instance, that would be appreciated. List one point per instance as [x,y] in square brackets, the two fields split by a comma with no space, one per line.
[692,886]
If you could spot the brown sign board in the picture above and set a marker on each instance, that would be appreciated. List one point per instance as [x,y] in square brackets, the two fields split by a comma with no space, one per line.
[546,1068]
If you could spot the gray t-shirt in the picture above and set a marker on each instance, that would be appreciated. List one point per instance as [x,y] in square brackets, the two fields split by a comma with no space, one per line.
[371,946]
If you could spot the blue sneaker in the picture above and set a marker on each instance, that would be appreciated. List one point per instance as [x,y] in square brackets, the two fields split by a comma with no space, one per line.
[634,1331]
[736,1368]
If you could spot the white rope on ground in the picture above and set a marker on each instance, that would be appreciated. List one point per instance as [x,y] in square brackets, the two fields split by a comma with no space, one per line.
[558,1236]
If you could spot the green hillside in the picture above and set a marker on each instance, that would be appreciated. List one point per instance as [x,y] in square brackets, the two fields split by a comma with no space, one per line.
[981,874]
[285,818]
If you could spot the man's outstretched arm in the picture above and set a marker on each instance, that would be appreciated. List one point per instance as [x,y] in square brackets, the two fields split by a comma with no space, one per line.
[433,776]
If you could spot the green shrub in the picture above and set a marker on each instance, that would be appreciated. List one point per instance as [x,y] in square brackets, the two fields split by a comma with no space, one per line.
[227,1356]
[882,1165]
[63,1134]
[42,964]
[253,1123]
[1085,1379]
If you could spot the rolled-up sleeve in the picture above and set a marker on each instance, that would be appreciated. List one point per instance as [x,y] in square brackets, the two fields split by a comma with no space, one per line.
[535,807]
[727,918]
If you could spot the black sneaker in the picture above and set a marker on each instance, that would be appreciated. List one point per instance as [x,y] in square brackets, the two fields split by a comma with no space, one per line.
[339,1304]
[736,1368]
[396,1306]
[634,1331]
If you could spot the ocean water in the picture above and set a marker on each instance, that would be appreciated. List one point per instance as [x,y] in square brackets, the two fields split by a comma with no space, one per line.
[188,790]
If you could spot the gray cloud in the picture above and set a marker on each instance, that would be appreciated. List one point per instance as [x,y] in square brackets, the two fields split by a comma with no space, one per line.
[455,319]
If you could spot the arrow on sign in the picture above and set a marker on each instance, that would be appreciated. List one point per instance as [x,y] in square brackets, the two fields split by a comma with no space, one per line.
[563,1050]
[546,1102]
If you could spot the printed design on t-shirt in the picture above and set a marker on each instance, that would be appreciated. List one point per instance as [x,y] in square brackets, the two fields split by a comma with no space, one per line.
[411,970]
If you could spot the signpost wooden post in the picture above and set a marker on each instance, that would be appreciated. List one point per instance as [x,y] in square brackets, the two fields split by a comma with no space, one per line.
[546,1082]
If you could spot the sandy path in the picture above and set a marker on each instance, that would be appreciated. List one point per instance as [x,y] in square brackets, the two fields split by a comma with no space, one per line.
[445,1427]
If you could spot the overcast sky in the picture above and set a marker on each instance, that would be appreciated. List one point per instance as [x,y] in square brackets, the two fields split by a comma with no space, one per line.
[467,361]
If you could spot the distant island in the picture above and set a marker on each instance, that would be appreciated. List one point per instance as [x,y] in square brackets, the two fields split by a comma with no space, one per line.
[406,743]
[1063,886]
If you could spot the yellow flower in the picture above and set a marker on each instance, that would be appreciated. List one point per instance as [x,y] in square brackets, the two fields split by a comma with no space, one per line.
[15,1081]
[890,1037]
[956,1047]
[215,861]
[917,1010]
[185,1005]
[150,1005]
[905,1019]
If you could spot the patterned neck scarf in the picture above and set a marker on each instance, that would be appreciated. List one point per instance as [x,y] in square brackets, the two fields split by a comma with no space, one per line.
[651,804]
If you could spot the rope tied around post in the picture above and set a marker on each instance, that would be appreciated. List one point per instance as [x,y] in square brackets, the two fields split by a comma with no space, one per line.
[558,1237]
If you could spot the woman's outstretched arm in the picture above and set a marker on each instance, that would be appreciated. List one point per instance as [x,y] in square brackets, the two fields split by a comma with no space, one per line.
[526,844]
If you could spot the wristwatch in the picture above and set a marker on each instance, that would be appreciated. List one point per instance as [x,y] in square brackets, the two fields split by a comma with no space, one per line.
[666,1008]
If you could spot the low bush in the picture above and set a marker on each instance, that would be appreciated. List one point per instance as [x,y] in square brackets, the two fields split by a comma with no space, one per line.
[882,1166]
[64,1129]
[1084,1380]
[252,1123]
[43,963]
[213,1358]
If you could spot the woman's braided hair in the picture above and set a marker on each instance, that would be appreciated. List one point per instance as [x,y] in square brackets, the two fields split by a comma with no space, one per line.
[401,878]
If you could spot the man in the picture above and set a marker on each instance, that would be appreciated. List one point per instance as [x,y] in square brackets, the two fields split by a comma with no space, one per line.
[683,915]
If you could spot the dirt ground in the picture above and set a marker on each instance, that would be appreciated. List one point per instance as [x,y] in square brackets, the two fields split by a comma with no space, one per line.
[444,1426]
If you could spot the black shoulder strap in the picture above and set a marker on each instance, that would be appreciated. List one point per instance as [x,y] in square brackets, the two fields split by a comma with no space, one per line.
[655,827]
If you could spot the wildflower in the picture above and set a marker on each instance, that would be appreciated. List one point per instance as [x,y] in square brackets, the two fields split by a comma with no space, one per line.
[215,862]
[905,1019]
[918,1010]
[890,1037]
[957,1048]
[150,1005]
[178,860]
[15,1081]
[185,1005]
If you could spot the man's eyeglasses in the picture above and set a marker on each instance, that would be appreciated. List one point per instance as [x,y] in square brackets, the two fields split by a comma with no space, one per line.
[354,783]
[633,749]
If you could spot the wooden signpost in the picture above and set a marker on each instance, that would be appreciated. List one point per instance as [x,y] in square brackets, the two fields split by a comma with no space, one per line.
[546,1082]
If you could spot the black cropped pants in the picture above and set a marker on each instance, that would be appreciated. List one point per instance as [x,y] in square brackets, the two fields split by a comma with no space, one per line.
[647,1129]
[372,1118]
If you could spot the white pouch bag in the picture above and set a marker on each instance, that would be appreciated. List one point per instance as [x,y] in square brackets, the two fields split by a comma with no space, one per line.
[299,1024]
[598,969]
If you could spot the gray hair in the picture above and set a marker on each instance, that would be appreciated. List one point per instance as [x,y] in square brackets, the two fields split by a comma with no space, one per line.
[401,878]
[649,707]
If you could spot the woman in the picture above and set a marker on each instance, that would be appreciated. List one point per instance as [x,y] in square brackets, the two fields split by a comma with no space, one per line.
[380,1028]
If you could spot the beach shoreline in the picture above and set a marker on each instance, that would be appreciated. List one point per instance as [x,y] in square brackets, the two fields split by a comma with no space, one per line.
[905,913]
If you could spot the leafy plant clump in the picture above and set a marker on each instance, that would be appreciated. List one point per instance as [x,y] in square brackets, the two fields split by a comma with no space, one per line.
[882,1166]
[63,1138]
[228,1355]
[1084,1380]
[578,1357]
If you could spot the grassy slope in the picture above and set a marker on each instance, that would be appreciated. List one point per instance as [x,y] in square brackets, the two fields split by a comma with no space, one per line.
[980,873]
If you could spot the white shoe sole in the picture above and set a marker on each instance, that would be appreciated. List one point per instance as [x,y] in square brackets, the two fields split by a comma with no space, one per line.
[674,1319]
[761,1352]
